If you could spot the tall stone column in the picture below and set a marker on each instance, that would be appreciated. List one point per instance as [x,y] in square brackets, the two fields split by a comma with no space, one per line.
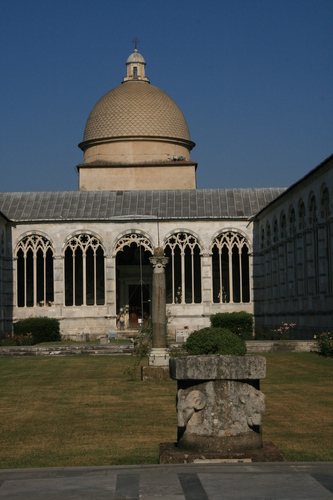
[206,280]
[159,355]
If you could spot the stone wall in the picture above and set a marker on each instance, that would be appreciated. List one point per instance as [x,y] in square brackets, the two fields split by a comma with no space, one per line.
[293,258]
[96,320]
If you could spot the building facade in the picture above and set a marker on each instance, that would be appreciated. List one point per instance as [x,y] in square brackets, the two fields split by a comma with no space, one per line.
[293,255]
[83,257]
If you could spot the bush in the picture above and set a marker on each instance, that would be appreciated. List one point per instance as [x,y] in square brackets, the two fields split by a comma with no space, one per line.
[215,341]
[240,323]
[325,342]
[43,329]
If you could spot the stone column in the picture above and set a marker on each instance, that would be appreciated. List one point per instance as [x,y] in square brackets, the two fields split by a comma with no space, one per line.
[159,355]
[110,297]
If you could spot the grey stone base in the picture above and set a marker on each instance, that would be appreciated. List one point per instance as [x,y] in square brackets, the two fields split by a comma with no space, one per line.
[215,444]
[67,350]
[171,454]
[155,373]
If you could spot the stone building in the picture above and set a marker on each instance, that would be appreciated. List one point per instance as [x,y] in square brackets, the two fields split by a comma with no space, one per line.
[292,273]
[83,257]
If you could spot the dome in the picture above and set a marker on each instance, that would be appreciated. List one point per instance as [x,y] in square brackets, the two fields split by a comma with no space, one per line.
[135,109]
[135,57]
[136,138]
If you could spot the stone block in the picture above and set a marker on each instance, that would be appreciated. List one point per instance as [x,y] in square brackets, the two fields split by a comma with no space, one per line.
[219,404]
[182,335]
[218,368]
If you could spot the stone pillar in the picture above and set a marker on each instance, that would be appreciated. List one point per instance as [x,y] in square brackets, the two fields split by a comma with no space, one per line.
[59,285]
[110,298]
[207,284]
[159,355]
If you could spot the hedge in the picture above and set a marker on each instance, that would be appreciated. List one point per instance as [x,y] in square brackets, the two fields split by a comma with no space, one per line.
[240,323]
[43,329]
[215,341]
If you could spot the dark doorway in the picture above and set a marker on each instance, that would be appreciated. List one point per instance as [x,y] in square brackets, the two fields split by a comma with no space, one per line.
[139,300]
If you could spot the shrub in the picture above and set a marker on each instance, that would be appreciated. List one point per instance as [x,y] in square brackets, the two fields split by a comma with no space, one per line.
[43,329]
[240,323]
[215,341]
[325,343]
[17,339]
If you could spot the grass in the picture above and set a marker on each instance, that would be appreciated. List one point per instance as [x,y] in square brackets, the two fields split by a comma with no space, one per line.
[80,411]
[299,405]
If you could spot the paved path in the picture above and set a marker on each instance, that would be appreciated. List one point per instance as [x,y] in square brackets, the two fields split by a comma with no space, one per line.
[250,481]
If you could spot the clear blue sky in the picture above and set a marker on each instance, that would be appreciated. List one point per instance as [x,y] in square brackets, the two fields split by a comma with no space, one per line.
[253,78]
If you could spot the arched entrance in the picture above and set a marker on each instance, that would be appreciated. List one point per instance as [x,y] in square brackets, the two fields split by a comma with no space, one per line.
[133,280]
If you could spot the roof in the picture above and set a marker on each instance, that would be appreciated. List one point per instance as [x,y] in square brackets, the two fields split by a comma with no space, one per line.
[115,205]
[315,171]
[135,109]
[135,57]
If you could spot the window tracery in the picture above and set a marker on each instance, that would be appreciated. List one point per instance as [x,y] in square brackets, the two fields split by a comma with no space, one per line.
[230,265]
[183,271]
[84,271]
[139,239]
[34,271]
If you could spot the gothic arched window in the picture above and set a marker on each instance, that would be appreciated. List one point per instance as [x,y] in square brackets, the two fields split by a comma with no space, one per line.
[183,271]
[283,226]
[292,221]
[327,269]
[84,271]
[325,204]
[230,265]
[34,272]
[262,241]
[275,232]
[313,211]
[301,216]
[268,235]
[314,271]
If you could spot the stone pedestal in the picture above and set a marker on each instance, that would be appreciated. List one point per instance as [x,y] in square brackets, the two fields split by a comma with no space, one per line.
[219,403]
[159,357]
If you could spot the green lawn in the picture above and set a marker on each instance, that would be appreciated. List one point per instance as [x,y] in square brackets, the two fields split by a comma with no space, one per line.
[80,411]
[299,405]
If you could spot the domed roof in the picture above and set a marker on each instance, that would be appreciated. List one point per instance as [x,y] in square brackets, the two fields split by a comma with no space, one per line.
[135,109]
[135,57]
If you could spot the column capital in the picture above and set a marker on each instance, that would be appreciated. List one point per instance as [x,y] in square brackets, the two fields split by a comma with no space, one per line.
[159,263]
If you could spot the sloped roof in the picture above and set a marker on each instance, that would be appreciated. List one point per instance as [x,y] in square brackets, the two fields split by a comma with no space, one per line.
[113,205]
[327,163]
